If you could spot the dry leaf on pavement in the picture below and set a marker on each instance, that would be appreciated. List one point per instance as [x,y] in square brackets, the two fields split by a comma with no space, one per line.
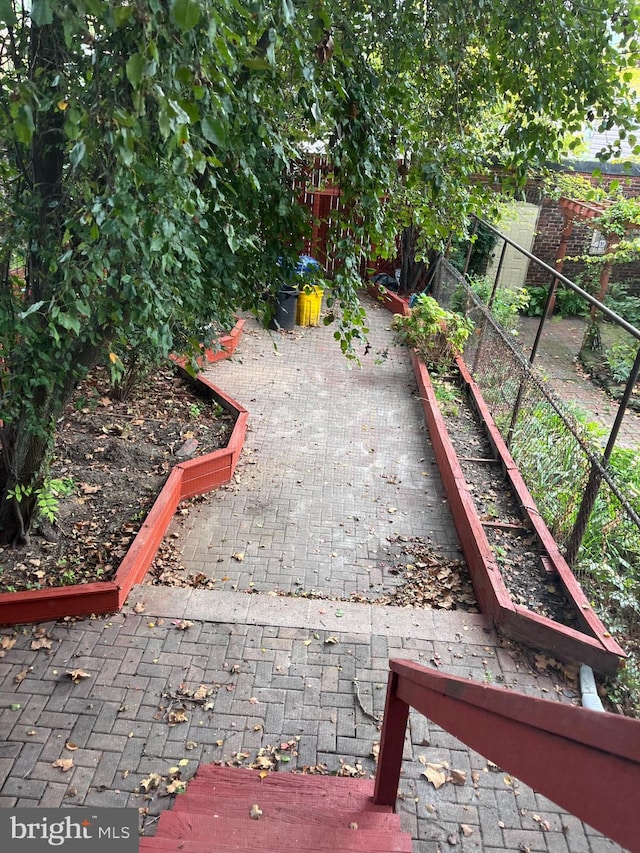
[436,774]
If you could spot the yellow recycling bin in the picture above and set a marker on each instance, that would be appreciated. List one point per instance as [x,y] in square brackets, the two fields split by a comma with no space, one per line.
[309,305]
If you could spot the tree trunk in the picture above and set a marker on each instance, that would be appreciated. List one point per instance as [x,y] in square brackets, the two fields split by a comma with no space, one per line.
[26,440]
[23,465]
[414,275]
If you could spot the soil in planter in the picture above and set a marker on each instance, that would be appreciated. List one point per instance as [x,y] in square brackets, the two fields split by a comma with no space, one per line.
[514,544]
[113,458]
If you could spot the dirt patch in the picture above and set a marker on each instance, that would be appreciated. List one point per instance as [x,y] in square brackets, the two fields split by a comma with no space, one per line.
[111,460]
[514,545]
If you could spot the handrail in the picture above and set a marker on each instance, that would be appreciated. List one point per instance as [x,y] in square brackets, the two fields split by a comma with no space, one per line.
[586,761]
[611,315]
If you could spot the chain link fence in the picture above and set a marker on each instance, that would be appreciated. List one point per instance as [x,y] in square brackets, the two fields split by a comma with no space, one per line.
[591,506]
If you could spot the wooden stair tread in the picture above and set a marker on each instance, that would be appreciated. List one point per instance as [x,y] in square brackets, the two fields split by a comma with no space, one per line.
[344,799]
[237,777]
[330,814]
[301,813]
[256,835]
[174,845]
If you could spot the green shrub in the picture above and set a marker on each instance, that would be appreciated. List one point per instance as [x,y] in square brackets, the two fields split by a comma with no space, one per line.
[507,303]
[437,335]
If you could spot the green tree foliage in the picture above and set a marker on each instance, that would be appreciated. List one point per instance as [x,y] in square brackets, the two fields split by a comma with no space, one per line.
[503,85]
[148,147]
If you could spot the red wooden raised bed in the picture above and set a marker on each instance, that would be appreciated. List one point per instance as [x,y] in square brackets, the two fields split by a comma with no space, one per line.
[194,477]
[592,644]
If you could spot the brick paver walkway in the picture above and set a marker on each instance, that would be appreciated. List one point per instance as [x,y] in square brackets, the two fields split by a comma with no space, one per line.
[337,461]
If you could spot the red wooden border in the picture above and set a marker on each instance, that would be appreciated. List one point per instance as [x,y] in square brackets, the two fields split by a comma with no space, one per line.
[194,477]
[594,645]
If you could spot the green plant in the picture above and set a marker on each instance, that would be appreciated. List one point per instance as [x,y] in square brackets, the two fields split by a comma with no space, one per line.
[437,335]
[195,411]
[619,216]
[568,302]
[620,358]
[575,187]
[46,496]
[448,395]
[484,242]
[68,577]
[620,299]
[507,302]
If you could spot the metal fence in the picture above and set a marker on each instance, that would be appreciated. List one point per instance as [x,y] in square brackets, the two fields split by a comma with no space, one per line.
[588,495]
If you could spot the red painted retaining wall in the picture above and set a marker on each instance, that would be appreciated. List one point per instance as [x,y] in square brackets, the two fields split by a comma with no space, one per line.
[592,645]
[194,477]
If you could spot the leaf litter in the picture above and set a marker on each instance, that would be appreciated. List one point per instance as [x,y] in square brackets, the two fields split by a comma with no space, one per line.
[115,456]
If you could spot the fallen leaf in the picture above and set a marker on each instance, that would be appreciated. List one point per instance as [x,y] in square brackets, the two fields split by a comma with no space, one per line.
[239,556]
[458,777]
[177,717]
[332,640]
[183,762]
[65,764]
[453,839]
[89,489]
[77,675]
[466,829]
[375,751]
[255,813]
[138,607]
[22,674]
[436,774]
[71,746]
[353,825]
[203,692]
[152,781]
[178,786]
[41,643]
[183,624]
[253,701]
[263,774]
[32,732]
[6,643]
[190,744]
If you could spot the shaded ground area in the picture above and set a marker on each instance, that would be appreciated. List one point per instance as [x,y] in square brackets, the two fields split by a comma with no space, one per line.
[337,461]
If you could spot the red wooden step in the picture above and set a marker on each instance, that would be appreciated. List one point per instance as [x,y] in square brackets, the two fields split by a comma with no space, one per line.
[343,798]
[256,835]
[174,845]
[273,809]
[301,813]
[237,777]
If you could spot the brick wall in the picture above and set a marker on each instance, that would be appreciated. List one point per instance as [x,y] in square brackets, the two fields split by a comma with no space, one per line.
[549,228]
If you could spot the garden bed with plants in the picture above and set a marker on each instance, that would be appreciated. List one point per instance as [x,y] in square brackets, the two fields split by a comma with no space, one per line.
[112,458]
[521,580]
[120,469]
[512,539]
